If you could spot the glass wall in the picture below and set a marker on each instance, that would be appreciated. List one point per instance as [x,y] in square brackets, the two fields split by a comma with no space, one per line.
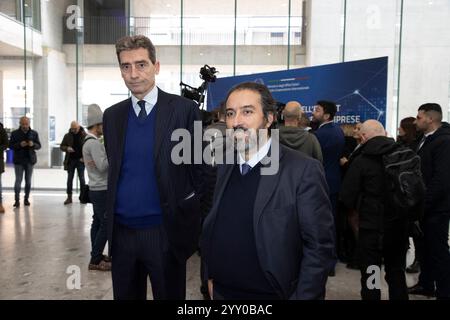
[63,57]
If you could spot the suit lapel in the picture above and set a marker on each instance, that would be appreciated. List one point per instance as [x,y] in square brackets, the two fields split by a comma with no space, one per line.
[164,111]
[223,179]
[121,127]
[267,186]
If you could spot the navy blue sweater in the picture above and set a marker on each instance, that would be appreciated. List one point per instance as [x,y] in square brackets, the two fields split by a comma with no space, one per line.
[137,203]
[234,263]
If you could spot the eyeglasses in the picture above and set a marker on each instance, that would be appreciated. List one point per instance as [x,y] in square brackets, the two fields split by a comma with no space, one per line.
[140,66]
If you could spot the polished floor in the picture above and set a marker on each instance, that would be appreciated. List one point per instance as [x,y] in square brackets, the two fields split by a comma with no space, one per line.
[42,247]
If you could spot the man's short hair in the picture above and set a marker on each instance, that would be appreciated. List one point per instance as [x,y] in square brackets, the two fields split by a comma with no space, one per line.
[292,114]
[328,107]
[432,109]
[267,101]
[135,42]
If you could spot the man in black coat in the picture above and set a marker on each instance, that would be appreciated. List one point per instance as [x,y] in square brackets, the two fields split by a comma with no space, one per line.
[72,145]
[24,141]
[434,152]
[153,207]
[382,227]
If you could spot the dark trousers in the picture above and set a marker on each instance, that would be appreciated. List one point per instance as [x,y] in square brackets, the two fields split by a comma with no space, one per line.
[391,246]
[138,253]
[19,170]
[334,201]
[98,227]
[436,263]
[418,246]
[71,166]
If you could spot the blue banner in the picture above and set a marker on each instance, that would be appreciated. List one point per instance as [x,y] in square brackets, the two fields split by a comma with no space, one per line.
[358,88]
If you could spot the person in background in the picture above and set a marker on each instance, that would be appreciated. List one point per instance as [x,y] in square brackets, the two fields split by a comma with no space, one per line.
[24,141]
[72,145]
[408,137]
[296,138]
[94,156]
[3,147]
[407,133]
[383,233]
[332,142]
[434,152]
[304,123]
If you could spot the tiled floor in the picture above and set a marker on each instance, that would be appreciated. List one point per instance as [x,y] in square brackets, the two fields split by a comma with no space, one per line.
[42,247]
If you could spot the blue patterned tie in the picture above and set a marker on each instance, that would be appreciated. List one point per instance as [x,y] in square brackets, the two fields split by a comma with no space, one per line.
[142,113]
[245,168]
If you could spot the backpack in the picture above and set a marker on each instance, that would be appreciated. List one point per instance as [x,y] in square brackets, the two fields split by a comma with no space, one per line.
[405,184]
[84,192]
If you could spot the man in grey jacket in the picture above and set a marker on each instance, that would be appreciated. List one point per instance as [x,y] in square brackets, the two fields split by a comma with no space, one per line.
[297,138]
[94,156]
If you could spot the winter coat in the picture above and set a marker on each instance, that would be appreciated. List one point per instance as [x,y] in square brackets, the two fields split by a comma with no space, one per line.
[364,185]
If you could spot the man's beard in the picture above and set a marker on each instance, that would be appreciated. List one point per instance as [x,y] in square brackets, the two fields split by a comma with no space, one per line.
[248,140]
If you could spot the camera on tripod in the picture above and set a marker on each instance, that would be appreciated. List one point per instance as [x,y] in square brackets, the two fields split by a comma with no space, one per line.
[207,74]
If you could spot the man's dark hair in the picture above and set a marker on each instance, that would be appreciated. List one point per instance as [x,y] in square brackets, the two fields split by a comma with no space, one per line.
[432,108]
[328,107]
[267,101]
[136,42]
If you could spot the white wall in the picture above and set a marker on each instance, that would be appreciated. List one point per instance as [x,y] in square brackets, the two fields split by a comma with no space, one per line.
[323,32]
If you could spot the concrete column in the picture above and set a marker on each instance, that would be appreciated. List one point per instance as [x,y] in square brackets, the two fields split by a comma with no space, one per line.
[323,32]
[40,108]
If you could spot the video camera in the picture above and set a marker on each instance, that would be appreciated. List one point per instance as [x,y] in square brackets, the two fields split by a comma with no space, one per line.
[207,74]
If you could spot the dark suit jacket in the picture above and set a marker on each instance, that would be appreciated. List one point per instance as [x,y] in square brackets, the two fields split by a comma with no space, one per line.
[332,142]
[293,226]
[435,158]
[181,216]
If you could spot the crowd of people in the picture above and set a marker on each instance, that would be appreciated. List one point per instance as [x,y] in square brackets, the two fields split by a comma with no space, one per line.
[260,236]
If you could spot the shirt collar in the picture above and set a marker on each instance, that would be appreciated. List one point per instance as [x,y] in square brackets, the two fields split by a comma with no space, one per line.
[430,133]
[150,101]
[325,123]
[257,157]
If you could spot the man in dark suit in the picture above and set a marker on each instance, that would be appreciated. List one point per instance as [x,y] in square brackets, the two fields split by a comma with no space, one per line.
[332,141]
[152,204]
[434,152]
[269,234]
